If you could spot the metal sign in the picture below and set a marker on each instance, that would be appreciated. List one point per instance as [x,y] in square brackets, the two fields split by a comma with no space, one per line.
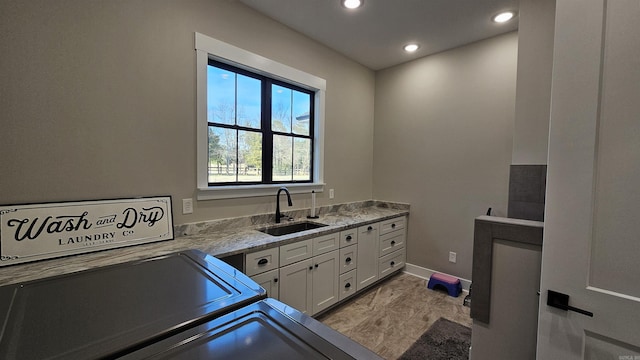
[43,231]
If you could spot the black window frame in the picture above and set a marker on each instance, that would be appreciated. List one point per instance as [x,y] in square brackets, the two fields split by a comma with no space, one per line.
[266,129]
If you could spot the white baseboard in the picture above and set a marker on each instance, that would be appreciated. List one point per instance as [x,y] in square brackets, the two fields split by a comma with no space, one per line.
[425,273]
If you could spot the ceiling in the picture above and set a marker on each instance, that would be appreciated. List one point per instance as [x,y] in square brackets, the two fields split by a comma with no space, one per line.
[374,34]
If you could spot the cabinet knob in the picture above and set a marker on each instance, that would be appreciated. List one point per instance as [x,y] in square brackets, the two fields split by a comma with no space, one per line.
[347,285]
[316,266]
[275,280]
[347,259]
[310,267]
[393,225]
[263,261]
[370,228]
[349,238]
[393,242]
[393,263]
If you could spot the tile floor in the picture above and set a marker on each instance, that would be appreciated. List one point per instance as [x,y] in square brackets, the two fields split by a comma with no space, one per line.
[390,316]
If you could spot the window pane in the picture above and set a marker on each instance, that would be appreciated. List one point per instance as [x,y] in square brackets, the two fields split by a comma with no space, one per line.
[249,156]
[249,103]
[301,111]
[301,159]
[222,154]
[282,158]
[221,95]
[280,109]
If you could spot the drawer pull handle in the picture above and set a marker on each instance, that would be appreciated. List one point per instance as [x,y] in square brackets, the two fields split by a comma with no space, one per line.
[393,225]
[349,238]
[263,262]
[370,228]
[347,260]
[393,263]
[275,280]
[393,243]
[348,285]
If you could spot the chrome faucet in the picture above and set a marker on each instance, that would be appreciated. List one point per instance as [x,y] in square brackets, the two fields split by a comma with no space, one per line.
[278,214]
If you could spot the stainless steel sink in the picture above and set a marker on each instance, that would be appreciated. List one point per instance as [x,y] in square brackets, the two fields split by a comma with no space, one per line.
[290,228]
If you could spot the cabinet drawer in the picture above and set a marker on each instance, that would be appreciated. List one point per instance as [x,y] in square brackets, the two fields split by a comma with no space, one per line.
[261,261]
[347,284]
[348,258]
[348,237]
[391,242]
[294,252]
[390,225]
[391,263]
[326,243]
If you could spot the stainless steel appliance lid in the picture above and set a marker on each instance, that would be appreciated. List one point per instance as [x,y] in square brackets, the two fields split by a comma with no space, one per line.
[264,330]
[108,310]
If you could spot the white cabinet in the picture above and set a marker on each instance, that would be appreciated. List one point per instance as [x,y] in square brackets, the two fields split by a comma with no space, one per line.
[326,276]
[392,251]
[296,285]
[310,284]
[368,257]
[314,274]
[270,282]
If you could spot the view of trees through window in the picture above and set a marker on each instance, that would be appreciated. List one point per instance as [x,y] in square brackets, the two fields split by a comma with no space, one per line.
[260,130]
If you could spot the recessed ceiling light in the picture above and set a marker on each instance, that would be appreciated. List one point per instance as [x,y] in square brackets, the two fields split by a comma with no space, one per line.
[504,17]
[352,4]
[411,47]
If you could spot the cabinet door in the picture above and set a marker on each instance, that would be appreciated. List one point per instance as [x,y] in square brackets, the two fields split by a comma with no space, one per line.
[368,260]
[295,285]
[326,272]
[270,282]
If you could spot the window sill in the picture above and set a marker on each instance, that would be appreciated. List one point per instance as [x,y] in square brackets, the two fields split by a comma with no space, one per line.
[244,191]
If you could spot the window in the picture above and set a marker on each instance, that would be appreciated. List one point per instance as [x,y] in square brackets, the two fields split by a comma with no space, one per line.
[260,130]
[259,124]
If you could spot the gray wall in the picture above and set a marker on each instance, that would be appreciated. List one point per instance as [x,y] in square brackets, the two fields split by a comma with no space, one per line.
[443,142]
[533,91]
[98,101]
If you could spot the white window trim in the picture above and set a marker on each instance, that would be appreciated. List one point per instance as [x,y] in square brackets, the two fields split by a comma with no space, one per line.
[207,47]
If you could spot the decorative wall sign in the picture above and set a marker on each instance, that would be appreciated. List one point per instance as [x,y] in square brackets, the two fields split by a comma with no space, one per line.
[42,231]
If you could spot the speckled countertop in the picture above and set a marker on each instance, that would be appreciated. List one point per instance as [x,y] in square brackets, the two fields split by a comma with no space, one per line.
[218,238]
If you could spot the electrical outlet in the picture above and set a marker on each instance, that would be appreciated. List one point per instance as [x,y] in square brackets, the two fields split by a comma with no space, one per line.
[331,194]
[187,206]
[452,257]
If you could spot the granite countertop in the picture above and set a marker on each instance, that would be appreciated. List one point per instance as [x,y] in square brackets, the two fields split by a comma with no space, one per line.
[218,238]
